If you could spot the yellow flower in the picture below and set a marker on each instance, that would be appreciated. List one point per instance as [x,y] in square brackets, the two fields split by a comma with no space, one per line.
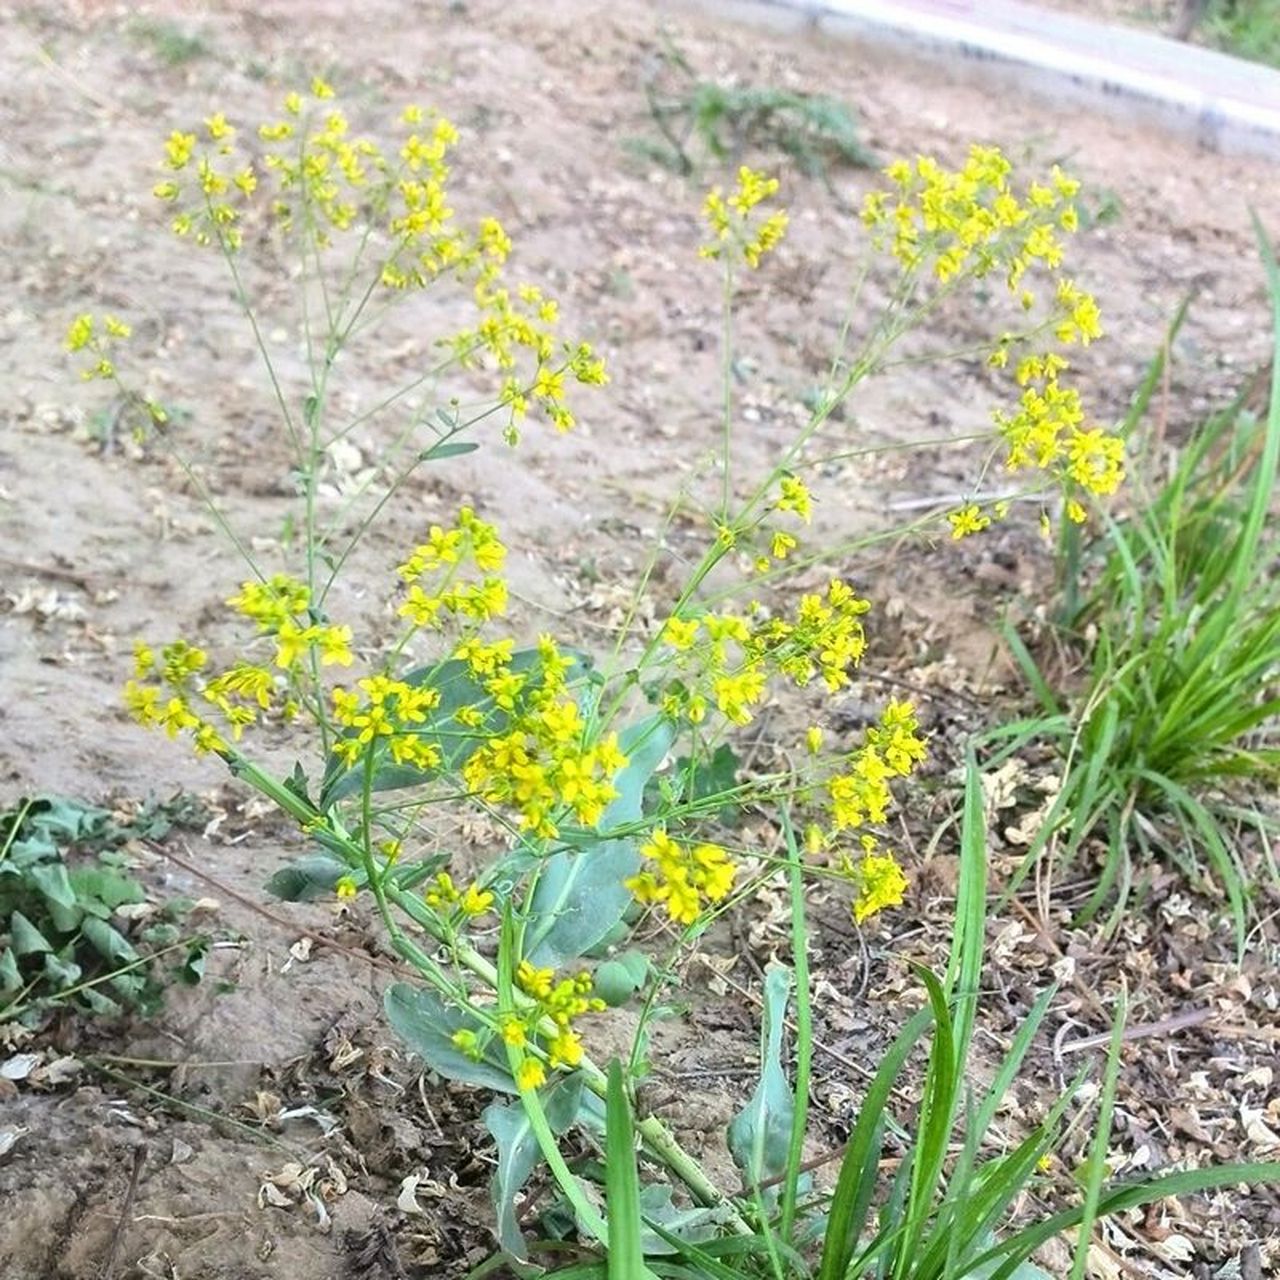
[530,1074]
[345,888]
[475,902]
[795,497]
[680,633]
[733,224]
[783,544]
[80,332]
[565,1050]
[533,981]
[881,883]
[967,520]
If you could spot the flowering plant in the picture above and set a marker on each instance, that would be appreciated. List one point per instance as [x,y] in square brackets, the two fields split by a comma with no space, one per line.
[608,863]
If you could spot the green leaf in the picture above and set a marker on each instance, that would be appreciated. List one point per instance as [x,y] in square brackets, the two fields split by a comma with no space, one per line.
[622,1184]
[580,896]
[192,970]
[760,1135]
[691,1223]
[314,875]
[296,783]
[100,1003]
[851,1200]
[705,779]
[52,881]
[104,886]
[447,449]
[426,1024]
[107,941]
[10,978]
[519,1153]
[25,939]
[617,980]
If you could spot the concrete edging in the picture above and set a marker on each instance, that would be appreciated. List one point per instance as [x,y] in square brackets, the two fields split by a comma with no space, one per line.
[1224,103]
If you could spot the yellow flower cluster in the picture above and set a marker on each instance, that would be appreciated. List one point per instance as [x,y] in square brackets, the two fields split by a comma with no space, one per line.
[682,878]
[443,895]
[426,240]
[1048,431]
[440,561]
[326,180]
[877,878]
[727,659]
[540,763]
[736,226]
[558,1002]
[892,749]
[385,717]
[523,322]
[793,495]
[969,222]
[84,334]
[178,685]
[281,607]
[216,184]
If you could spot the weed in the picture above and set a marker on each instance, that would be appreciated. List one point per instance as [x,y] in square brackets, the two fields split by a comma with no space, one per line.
[1247,28]
[600,842]
[699,123]
[943,1213]
[1175,611]
[65,900]
[175,46]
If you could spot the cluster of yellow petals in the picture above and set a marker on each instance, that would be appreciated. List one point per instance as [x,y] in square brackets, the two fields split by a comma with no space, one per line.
[558,1002]
[180,682]
[682,878]
[738,228]
[385,714]
[327,180]
[541,763]
[892,749]
[727,659]
[434,574]
[970,222]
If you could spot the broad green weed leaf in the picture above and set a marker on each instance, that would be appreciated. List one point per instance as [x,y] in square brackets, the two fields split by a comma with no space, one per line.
[580,895]
[311,876]
[24,938]
[617,980]
[687,1222]
[518,1151]
[760,1136]
[426,1024]
[107,941]
[52,881]
[102,889]
[10,978]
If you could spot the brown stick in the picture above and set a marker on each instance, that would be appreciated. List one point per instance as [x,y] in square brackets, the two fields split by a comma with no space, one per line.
[1144,1030]
[117,1236]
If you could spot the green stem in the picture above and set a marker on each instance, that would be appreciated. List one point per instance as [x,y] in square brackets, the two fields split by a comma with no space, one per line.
[804,1030]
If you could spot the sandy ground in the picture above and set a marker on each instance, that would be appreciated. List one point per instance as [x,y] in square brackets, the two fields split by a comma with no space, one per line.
[105,541]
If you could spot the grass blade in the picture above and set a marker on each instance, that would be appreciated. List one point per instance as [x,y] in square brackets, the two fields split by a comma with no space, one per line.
[622,1184]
